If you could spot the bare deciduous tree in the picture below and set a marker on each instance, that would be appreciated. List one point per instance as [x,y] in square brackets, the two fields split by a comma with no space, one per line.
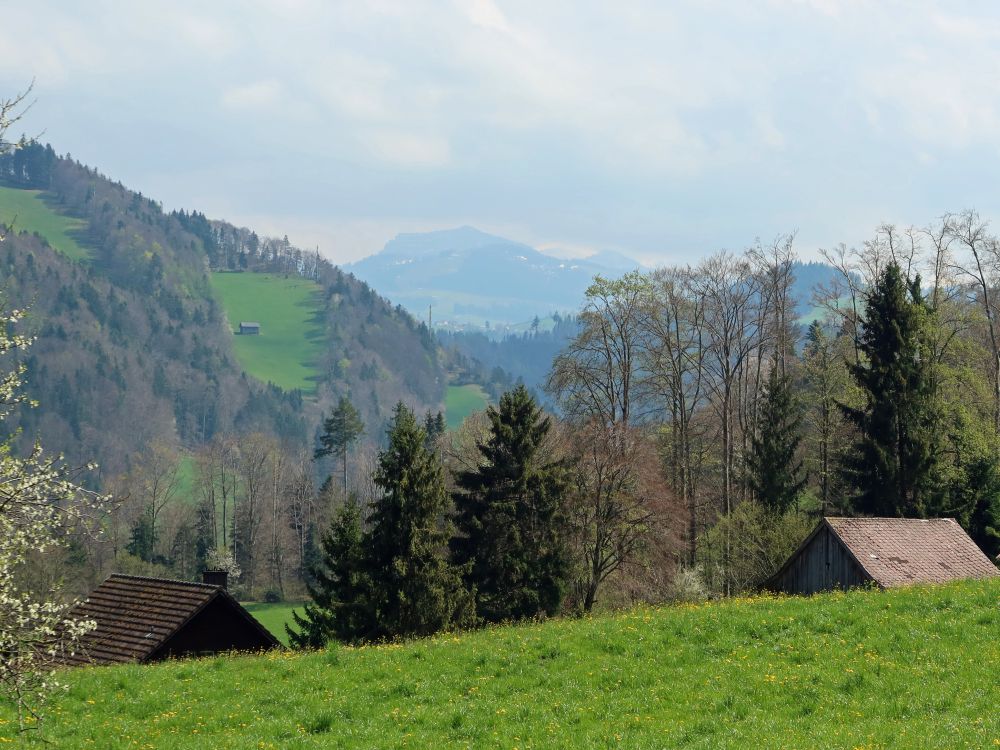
[596,377]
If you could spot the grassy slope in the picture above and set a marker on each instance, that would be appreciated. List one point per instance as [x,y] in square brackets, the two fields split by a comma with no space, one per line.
[29,212]
[290,343]
[460,401]
[274,616]
[912,668]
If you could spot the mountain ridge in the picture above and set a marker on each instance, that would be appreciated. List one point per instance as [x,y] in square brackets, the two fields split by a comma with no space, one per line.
[473,278]
[133,345]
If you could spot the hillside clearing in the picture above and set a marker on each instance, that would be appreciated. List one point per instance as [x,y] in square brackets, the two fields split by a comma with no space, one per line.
[29,212]
[907,668]
[462,400]
[288,350]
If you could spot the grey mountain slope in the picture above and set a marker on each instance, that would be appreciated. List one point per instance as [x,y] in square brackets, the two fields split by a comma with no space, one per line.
[470,277]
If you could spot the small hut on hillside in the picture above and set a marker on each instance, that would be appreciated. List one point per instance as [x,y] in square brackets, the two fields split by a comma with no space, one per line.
[847,552]
[148,619]
[249,328]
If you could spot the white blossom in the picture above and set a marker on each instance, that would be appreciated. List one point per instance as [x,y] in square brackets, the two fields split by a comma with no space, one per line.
[223,559]
[39,502]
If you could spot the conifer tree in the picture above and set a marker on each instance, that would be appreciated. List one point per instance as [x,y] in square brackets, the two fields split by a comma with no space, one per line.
[892,465]
[434,426]
[416,590]
[776,476]
[340,430]
[509,516]
[340,591]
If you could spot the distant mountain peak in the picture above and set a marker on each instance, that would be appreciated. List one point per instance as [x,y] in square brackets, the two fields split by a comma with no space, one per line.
[459,239]
[470,277]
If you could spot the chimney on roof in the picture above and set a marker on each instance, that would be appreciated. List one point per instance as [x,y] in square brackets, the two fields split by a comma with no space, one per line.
[216,578]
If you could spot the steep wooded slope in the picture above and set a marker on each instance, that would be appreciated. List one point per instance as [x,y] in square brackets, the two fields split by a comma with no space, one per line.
[133,344]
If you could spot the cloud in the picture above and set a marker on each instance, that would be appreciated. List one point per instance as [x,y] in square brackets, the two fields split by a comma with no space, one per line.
[404,149]
[256,95]
[486,14]
[648,127]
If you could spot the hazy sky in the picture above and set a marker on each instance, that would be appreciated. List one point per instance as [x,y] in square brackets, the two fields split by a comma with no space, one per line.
[662,130]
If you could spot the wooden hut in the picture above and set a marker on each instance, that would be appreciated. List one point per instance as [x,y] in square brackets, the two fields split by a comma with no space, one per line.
[249,328]
[887,552]
[148,619]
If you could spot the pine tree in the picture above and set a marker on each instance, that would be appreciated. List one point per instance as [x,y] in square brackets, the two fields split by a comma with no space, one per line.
[776,476]
[340,591]
[892,465]
[416,590]
[340,430]
[509,517]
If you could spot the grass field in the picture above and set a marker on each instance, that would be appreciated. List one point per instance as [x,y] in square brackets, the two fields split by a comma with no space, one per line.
[460,401]
[274,616]
[29,212]
[914,668]
[291,341]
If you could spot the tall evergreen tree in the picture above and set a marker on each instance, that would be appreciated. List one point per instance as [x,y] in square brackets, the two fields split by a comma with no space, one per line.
[509,516]
[340,590]
[416,590]
[434,426]
[776,475]
[892,465]
[340,430]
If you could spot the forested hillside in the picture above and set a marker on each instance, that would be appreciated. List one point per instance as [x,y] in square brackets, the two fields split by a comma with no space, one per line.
[134,345]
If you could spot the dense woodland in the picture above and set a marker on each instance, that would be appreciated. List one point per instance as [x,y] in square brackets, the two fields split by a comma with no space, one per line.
[136,331]
[887,404]
[133,368]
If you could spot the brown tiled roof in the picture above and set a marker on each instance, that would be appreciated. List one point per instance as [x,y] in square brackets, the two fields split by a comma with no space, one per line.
[135,615]
[901,551]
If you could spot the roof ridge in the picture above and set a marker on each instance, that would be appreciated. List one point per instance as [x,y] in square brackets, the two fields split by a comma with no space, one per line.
[162,580]
[889,519]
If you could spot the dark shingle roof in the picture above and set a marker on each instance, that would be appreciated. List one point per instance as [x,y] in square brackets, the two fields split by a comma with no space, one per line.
[136,615]
[901,551]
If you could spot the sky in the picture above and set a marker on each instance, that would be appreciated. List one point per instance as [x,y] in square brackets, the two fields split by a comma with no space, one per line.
[665,131]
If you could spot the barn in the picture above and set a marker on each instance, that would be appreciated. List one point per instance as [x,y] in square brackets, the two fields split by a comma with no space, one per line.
[149,619]
[847,552]
[249,328]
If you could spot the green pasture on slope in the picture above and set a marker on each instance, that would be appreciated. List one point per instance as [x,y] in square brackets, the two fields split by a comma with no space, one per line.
[460,401]
[28,211]
[274,616]
[907,668]
[288,350]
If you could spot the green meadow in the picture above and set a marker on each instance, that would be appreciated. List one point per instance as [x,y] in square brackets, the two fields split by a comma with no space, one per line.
[29,211]
[274,616]
[909,668]
[460,401]
[288,350]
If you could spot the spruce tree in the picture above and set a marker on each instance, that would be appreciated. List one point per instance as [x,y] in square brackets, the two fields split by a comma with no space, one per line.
[340,590]
[340,430]
[509,517]
[776,477]
[416,590]
[434,426]
[892,464]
